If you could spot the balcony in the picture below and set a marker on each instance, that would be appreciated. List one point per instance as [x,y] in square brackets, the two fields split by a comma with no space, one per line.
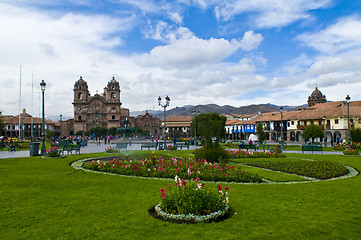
[278,128]
[301,127]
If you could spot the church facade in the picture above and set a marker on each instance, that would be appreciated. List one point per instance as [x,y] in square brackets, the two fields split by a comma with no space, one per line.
[101,110]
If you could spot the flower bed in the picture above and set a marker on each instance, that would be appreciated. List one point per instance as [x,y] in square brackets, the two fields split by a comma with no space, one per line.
[254,154]
[53,152]
[185,168]
[344,146]
[192,202]
[110,150]
[315,169]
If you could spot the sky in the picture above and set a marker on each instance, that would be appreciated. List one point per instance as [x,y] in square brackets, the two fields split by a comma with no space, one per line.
[225,52]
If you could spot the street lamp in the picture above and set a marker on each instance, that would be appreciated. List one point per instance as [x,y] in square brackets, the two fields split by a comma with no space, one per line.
[43,149]
[83,110]
[348,122]
[281,109]
[324,129]
[167,101]
[194,114]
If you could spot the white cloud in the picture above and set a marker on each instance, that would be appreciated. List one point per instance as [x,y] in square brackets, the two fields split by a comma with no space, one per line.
[167,33]
[345,34]
[189,53]
[250,41]
[269,13]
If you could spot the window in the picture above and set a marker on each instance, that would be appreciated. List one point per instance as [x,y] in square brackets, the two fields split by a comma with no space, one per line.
[113,117]
[113,108]
[328,121]
[79,117]
[80,96]
[292,123]
[113,95]
[336,121]
[96,115]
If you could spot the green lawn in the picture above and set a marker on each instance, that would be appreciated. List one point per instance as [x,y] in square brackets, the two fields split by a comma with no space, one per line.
[40,201]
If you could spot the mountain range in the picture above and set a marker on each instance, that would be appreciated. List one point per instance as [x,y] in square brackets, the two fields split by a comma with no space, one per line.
[208,108]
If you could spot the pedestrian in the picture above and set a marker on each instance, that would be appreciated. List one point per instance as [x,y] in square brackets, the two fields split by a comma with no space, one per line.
[250,143]
[105,140]
[98,141]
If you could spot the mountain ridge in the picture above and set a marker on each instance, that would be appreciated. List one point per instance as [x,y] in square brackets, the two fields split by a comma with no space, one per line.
[208,108]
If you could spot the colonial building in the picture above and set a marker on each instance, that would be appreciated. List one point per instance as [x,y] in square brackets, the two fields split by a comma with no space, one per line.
[332,117]
[28,127]
[101,110]
[149,123]
[177,126]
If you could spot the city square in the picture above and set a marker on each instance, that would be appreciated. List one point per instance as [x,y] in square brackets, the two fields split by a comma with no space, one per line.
[180,119]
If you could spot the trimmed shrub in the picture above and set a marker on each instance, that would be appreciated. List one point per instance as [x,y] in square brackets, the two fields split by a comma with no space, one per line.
[215,154]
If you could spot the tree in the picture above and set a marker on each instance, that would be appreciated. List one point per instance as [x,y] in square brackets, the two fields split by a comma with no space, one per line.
[210,125]
[260,133]
[313,131]
[355,135]
[2,124]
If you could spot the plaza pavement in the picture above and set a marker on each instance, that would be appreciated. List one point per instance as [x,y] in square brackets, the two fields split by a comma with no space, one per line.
[91,148]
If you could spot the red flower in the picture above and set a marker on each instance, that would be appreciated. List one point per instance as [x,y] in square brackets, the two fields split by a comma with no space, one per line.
[219,187]
[226,188]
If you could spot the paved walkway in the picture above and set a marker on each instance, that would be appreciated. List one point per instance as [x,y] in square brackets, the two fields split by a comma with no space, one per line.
[91,148]
[94,148]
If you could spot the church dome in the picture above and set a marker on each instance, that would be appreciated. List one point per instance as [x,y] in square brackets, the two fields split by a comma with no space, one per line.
[113,80]
[316,94]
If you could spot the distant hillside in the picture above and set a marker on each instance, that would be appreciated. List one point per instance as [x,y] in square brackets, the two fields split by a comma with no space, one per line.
[187,110]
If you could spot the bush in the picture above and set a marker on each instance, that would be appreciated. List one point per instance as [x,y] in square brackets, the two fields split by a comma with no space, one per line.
[215,154]
[351,152]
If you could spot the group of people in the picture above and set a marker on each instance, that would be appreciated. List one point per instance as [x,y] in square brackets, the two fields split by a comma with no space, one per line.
[8,144]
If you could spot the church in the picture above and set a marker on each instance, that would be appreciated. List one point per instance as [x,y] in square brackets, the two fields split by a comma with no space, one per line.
[101,110]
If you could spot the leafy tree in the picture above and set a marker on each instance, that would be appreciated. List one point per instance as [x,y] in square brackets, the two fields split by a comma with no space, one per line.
[210,125]
[2,123]
[142,132]
[79,133]
[313,131]
[112,131]
[98,131]
[355,134]
[260,133]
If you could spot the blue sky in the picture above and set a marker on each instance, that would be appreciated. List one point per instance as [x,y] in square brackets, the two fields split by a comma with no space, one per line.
[227,52]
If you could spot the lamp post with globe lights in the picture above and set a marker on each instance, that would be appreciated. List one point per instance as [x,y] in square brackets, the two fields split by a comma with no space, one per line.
[164,106]
[348,99]
[43,148]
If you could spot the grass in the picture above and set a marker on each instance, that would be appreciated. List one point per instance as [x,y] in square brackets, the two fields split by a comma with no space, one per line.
[40,201]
